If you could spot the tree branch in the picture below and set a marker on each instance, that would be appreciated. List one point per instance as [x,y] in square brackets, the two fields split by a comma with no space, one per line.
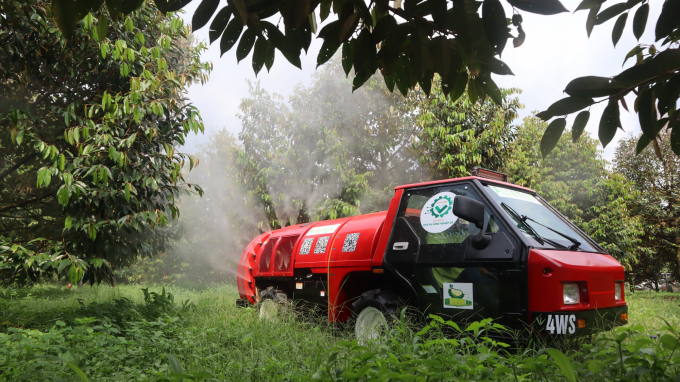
[37,199]
[20,163]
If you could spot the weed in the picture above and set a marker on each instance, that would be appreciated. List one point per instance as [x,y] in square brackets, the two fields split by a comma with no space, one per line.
[106,334]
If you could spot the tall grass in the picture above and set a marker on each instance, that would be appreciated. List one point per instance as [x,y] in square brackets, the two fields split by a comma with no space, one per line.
[114,334]
[653,309]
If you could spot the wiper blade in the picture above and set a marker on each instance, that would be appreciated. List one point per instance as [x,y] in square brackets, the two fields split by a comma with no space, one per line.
[523,219]
[576,242]
[519,219]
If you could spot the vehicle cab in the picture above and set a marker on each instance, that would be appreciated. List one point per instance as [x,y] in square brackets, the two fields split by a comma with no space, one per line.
[480,247]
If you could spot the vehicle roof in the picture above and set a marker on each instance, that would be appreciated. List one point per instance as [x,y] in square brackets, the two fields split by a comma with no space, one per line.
[464,178]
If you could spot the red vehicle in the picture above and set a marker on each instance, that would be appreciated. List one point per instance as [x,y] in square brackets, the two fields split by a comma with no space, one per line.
[468,248]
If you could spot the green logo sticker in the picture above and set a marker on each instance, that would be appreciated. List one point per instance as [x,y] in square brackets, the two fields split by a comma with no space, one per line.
[458,295]
[440,209]
[437,214]
[514,194]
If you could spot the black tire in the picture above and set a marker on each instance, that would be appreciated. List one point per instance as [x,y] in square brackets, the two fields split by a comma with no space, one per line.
[374,312]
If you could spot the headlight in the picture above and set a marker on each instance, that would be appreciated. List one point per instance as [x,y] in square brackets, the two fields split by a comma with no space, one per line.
[617,291]
[571,294]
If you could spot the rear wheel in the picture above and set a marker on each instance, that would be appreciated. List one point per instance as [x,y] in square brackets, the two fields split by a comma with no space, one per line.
[375,310]
[272,303]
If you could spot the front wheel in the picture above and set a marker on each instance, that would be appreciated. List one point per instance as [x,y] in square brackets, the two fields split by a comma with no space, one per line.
[375,310]
[371,323]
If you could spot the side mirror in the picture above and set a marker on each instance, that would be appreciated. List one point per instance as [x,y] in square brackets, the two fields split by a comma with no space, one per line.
[470,210]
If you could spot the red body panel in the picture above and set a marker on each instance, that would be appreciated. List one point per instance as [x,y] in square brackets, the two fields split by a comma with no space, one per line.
[318,260]
[281,236]
[596,271]
[245,279]
[387,228]
[343,261]
[333,261]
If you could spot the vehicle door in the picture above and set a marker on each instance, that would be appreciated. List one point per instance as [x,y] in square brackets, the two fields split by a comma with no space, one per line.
[432,248]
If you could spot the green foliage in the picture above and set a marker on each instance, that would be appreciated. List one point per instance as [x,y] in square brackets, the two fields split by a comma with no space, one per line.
[653,78]
[656,175]
[94,340]
[429,354]
[211,336]
[576,180]
[214,339]
[89,127]
[193,260]
[410,41]
[332,153]
[400,40]
[456,136]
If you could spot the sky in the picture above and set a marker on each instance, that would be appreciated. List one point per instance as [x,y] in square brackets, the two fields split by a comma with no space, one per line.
[556,50]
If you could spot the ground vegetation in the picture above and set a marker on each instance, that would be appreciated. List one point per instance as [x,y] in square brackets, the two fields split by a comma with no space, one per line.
[156,334]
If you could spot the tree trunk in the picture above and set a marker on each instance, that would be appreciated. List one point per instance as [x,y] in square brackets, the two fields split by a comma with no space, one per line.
[677,254]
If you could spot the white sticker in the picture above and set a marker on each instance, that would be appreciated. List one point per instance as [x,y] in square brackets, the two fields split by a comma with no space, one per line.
[458,295]
[429,289]
[507,193]
[437,214]
[298,285]
[323,293]
[323,229]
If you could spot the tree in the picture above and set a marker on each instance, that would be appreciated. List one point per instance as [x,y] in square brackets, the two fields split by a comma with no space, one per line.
[332,153]
[326,153]
[88,164]
[654,79]
[658,201]
[574,179]
[212,231]
[456,136]
[411,40]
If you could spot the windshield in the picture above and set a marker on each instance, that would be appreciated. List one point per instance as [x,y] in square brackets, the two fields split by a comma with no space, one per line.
[537,222]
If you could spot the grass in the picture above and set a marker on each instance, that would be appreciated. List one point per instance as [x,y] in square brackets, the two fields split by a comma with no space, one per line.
[210,334]
[214,335]
[653,309]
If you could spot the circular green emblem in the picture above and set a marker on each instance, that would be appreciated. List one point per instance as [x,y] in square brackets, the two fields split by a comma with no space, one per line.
[441,210]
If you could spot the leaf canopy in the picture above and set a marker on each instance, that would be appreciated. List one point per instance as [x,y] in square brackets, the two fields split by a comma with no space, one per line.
[88,168]
[430,36]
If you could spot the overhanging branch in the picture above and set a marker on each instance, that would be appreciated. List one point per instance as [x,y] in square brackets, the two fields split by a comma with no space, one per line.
[20,163]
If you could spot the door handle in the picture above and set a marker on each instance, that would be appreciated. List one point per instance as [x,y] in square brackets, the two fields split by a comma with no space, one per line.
[400,246]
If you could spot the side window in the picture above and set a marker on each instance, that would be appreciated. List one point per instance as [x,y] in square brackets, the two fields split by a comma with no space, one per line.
[429,212]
